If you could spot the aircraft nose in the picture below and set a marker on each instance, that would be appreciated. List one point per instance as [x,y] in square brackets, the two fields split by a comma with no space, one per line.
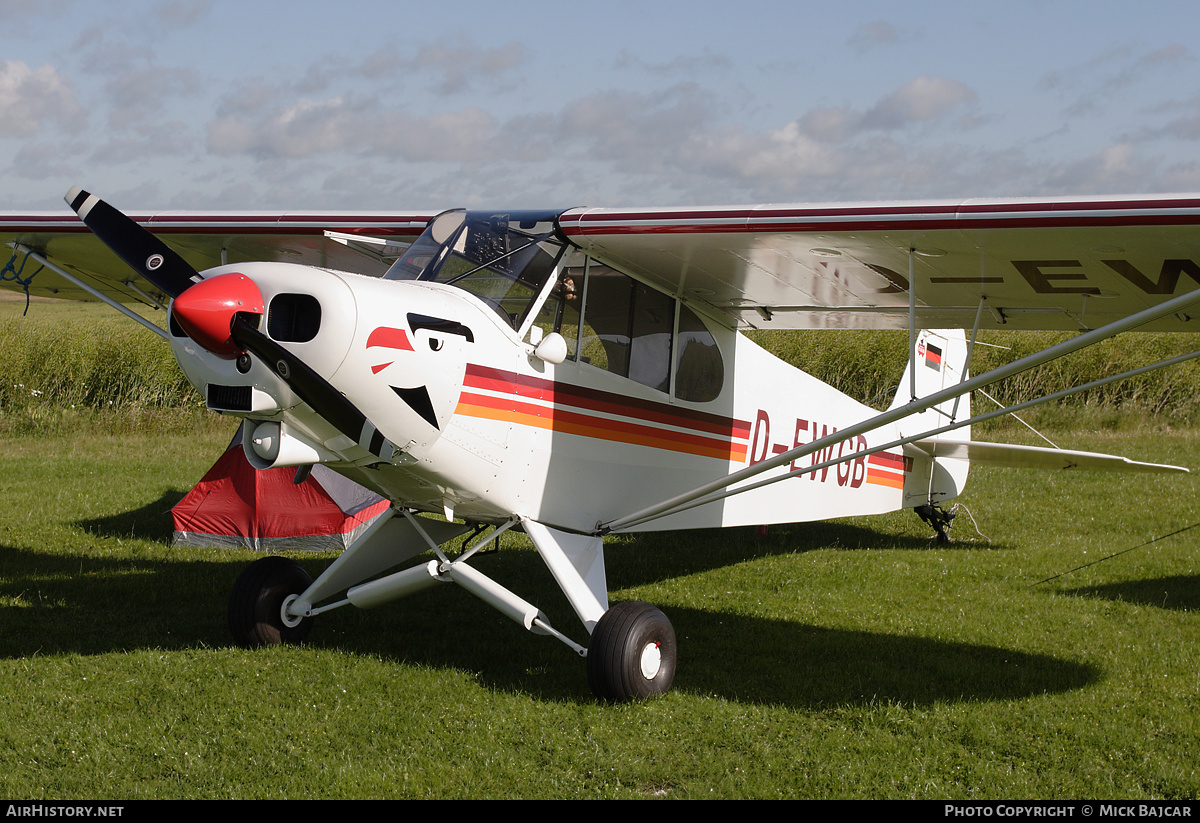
[206,310]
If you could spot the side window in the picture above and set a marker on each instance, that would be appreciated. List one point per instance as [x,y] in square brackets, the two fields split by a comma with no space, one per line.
[628,328]
[650,347]
[560,312]
[605,339]
[699,371]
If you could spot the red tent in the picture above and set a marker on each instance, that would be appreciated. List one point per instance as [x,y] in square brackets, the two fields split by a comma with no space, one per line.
[236,505]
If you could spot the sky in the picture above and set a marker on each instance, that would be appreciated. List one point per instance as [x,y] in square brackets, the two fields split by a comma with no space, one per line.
[372,105]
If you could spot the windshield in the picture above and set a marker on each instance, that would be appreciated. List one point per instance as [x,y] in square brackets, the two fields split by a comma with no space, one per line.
[502,258]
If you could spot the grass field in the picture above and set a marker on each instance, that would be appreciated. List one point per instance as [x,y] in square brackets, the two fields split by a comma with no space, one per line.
[846,659]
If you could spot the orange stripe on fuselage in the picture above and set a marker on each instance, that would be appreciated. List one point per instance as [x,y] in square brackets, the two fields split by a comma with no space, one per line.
[885,478]
[887,469]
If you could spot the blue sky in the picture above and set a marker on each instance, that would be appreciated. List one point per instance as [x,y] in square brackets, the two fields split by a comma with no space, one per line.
[209,104]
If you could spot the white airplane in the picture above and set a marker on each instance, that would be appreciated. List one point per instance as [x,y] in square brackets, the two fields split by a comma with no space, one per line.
[576,373]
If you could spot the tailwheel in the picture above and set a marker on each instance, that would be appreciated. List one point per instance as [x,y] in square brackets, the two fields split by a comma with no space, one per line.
[256,605]
[938,518]
[632,654]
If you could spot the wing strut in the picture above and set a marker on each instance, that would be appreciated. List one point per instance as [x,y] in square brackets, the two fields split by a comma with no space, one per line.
[970,351]
[99,295]
[892,415]
[912,325]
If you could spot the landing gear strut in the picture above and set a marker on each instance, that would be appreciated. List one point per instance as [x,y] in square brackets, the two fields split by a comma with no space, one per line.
[632,654]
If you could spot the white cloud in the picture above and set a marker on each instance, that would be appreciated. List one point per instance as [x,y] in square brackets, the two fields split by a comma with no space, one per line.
[177,13]
[463,136]
[29,97]
[637,128]
[301,129]
[923,99]
[310,128]
[462,64]
[685,65]
[134,96]
[172,138]
[875,33]
[40,161]
[1115,168]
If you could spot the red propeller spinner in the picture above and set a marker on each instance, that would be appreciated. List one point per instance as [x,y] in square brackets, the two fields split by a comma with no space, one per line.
[206,310]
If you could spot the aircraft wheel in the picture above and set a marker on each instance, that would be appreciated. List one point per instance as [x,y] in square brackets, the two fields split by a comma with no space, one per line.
[256,603]
[632,654]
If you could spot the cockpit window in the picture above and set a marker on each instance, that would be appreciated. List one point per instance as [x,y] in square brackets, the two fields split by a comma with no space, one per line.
[502,258]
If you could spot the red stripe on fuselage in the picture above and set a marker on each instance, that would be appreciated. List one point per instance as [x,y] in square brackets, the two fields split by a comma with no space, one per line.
[709,435]
[565,394]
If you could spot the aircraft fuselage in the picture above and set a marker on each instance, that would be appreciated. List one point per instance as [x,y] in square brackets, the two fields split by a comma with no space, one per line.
[651,399]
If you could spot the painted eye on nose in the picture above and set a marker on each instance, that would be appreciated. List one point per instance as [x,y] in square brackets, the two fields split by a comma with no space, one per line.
[435,344]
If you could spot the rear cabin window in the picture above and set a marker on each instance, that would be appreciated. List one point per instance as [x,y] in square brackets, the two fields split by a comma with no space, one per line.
[613,322]
[699,371]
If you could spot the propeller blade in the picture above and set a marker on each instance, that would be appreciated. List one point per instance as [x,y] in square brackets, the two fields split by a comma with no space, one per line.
[141,250]
[312,388]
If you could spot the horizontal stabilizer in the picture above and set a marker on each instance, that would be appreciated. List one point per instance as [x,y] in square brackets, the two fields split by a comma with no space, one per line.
[1036,457]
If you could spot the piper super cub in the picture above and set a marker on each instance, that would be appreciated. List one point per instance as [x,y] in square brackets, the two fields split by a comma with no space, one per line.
[576,373]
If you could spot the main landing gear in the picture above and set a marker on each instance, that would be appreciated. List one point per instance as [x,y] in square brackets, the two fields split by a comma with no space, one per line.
[633,653]
[257,606]
[631,657]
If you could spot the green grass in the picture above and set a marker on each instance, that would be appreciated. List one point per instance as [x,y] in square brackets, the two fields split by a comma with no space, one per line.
[65,363]
[847,659]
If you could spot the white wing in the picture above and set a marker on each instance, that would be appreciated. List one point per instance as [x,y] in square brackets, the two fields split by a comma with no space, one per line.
[1036,264]
[347,241]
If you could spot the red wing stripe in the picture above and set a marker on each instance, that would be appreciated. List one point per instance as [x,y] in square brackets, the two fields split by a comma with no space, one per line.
[888,217]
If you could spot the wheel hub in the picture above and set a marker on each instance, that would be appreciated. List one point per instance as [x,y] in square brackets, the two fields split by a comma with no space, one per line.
[651,661]
[290,620]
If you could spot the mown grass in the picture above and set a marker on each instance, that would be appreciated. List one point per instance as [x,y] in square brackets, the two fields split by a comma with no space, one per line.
[847,659]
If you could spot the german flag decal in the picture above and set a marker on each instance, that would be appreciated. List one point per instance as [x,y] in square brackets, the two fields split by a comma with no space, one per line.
[887,469]
[932,355]
[561,407]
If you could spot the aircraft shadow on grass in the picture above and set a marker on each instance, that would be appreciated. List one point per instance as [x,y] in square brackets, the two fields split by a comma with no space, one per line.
[1179,592]
[149,522]
[657,557]
[96,605]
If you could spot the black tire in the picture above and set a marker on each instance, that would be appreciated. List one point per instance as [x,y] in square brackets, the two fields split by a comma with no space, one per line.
[256,603]
[633,653]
